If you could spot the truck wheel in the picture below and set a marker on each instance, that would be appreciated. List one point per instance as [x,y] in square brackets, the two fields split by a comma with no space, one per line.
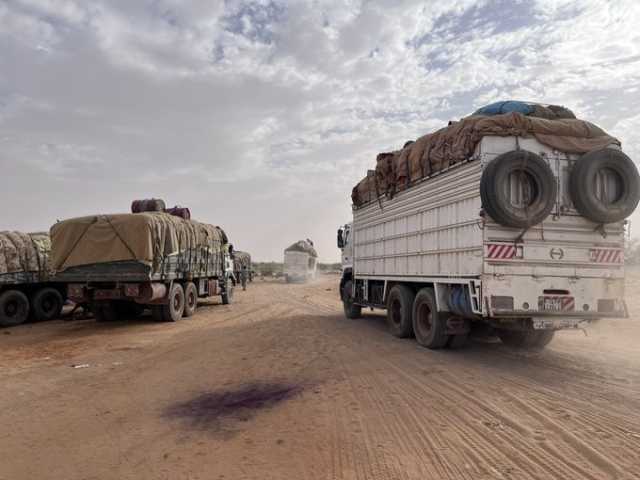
[534,195]
[429,325]
[227,296]
[190,299]
[47,304]
[128,310]
[104,311]
[14,308]
[526,339]
[174,309]
[350,310]
[399,306]
[604,186]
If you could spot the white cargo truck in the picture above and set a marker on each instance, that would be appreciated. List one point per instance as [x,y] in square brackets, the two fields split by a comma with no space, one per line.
[519,236]
[300,262]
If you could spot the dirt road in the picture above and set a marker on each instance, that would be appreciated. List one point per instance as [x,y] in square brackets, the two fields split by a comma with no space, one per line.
[281,386]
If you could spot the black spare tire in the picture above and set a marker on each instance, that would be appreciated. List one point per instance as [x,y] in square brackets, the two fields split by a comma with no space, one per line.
[518,189]
[604,186]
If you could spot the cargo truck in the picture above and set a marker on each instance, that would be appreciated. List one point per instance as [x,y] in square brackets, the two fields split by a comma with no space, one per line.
[300,262]
[27,287]
[520,229]
[121,264]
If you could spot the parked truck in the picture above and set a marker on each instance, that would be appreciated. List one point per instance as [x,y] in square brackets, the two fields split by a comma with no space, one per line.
[505,220]
[27,287]
[121,264]
[242,267]
[300,262]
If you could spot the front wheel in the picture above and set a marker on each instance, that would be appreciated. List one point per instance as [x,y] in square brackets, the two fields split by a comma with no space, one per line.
[350,310]
[526,339]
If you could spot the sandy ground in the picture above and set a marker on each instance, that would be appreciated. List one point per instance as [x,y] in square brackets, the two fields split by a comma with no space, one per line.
[281,386]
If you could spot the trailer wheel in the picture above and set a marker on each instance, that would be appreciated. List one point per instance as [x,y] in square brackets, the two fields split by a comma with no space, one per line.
[351,311]
[173,310]
[399,310]
[47,304]
[526,339]
[605,186]
[190,299]
[518,189]
[14,308]
[227,295]
[429,325]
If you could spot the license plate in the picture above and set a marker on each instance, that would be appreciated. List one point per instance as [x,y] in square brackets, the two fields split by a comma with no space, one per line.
[556,304]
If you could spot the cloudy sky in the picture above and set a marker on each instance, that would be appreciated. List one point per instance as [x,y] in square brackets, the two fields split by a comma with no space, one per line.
[261,115]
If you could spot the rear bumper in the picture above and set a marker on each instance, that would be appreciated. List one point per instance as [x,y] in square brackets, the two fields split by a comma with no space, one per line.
[507,296]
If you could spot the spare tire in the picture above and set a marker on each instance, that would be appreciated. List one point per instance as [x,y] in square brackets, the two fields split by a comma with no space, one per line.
[518,189]
[604,186]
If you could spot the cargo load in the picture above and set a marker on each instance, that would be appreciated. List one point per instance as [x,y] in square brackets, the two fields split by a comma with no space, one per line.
[24,252]
[150,238]
[121,264]
[305,246]
[456,143]
[28,290]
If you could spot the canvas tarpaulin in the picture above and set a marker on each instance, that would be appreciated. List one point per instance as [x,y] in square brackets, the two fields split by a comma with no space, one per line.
[146,237]
[24,252]
[457,142]
[302,246]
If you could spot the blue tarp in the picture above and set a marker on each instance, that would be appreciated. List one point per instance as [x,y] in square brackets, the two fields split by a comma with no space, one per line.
[508,106]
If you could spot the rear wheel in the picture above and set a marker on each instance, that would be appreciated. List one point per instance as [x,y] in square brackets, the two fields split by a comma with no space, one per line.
[172,311]
[399,306]
[350,310]
[526,339]
[14,308]
[190,299]
[47,304]
[429,325]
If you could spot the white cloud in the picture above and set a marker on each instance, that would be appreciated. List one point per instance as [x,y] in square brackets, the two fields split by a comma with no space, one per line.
[255,113]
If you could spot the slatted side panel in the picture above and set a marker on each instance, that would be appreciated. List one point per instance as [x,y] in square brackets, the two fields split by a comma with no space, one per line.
[431,229]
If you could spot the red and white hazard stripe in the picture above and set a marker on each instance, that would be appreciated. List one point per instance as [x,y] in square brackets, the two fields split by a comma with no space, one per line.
[568,304]
[606,255]
[501,251]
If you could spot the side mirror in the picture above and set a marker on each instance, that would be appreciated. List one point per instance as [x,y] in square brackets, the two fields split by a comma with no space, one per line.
[340,239]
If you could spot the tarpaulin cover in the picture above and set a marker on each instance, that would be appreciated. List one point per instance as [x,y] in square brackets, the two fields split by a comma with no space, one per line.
[144,237]
[24,252]
[302,246]
[456,143]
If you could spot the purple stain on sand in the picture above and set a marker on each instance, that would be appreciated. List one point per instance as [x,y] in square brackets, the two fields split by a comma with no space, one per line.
[208,410]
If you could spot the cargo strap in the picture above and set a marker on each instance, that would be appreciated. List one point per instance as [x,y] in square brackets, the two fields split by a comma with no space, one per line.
[133,255]
[78,241]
